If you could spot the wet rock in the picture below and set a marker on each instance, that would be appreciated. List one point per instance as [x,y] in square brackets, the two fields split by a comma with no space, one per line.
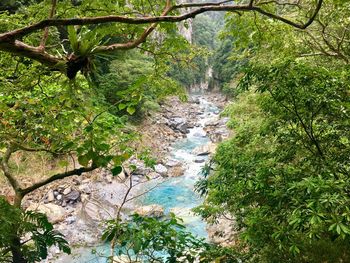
[200,133]
[74,196]
[179,124]
[183,128]
[172,163]
[204,149]
[155,211]
[176,171]
[54,212]
[161,169]
[212,123]
[199,160]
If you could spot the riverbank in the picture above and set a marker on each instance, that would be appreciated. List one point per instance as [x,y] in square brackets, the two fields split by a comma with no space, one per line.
[80,204]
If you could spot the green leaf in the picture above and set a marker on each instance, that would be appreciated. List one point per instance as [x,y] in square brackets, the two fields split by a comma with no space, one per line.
[116,170]
[131,110]
[84,160]
[122,106]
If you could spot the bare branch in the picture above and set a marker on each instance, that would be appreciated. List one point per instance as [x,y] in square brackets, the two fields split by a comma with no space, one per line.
[58,176]
[46,30]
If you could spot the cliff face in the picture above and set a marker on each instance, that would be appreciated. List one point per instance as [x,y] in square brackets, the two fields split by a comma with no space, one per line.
[186,27]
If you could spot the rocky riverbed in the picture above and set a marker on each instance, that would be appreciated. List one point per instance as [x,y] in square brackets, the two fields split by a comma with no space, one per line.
[78,205]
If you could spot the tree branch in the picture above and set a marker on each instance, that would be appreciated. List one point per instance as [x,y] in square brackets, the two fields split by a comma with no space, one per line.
[58,176]
[9,36]
[141,39]
[6,169]
[9,40]
[19,48]
[46,30]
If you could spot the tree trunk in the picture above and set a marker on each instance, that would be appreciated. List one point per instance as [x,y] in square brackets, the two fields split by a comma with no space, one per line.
[17,256]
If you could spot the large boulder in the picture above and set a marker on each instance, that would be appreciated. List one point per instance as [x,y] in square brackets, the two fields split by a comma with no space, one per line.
[161,169]
[53,212]
[172,163]
[72,196]
[155,211]
[96,209]
[176,171]
[124,259]
[204,149]
[179,124]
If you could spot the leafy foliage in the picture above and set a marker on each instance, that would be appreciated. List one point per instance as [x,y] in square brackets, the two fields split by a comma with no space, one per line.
[151,240]
[33,230]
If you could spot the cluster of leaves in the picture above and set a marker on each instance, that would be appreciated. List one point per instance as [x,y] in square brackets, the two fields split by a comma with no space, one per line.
[284,175]
[149,239]
[29,232]
[152,240]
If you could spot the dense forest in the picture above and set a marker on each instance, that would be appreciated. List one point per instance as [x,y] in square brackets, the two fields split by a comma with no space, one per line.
[85,86]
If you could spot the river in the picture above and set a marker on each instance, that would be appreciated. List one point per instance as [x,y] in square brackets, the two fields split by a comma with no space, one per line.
[175,194]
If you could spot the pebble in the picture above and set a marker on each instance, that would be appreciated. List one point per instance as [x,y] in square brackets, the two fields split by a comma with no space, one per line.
[67,191]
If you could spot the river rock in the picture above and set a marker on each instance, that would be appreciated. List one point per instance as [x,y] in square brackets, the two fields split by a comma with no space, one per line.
[161,169]
[155,211]
[172,163]
[123,259]
[200,133]
[212,123]
[50,196]
[73,196]
[199,160]
[222,232]
[176,171]
[97,209]
[179,124]
[218,135]
[183,128]
[53,212]
[204,149]
[67,190]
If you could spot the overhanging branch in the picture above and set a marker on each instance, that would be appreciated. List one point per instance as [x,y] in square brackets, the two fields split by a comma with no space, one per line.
[9,40]
[58,176]
[8,36]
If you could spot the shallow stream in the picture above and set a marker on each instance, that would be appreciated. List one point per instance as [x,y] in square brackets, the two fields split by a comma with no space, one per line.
[174,194]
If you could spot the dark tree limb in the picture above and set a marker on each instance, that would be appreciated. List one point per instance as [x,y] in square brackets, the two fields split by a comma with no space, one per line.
[59,176]
[8,36]
[9,40]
